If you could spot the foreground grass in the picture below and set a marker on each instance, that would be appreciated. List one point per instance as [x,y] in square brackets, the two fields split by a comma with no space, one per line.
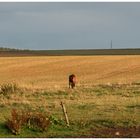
[89,108]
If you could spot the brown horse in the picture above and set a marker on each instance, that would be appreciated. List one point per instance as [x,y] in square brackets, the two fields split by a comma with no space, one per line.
[72,81]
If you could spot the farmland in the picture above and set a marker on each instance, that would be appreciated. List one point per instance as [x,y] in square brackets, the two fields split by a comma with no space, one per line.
[107,94]
[52,71]
[7,52]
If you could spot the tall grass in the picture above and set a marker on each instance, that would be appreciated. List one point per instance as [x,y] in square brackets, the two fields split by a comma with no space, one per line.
[9,88]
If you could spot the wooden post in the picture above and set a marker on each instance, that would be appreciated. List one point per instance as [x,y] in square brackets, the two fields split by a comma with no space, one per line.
[65,113]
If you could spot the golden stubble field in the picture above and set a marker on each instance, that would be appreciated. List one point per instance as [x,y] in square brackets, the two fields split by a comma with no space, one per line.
[53,71]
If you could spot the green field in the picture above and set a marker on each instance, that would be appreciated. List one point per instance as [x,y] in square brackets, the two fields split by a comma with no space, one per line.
[89,109]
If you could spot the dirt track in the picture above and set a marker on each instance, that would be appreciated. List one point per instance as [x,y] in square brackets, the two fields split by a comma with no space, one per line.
[117,132]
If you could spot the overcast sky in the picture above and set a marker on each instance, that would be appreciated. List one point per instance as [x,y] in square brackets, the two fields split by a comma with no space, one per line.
[71,25]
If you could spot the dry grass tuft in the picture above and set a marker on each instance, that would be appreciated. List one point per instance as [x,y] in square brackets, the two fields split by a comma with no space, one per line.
[9,88]
[34,120]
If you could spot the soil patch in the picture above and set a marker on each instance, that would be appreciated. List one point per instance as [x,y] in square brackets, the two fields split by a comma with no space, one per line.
[117,132]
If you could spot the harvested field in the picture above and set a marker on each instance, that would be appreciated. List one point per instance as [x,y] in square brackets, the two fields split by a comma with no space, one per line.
[53,71]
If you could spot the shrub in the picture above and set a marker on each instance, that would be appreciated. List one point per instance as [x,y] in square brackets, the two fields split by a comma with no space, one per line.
[38,121]
[15,123]
[55,120]
[9,88]
[34,120]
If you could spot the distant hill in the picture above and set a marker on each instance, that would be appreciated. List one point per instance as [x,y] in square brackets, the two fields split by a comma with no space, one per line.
[16,52]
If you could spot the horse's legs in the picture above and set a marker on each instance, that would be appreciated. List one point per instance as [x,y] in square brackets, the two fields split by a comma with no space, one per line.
[69,84]
[73,85]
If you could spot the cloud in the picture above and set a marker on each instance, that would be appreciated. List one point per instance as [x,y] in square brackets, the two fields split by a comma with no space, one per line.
[68,25]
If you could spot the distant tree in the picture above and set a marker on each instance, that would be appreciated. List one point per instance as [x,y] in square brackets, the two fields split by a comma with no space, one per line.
[10,49]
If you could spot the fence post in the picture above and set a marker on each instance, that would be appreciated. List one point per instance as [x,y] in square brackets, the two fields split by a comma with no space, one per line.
[65,113]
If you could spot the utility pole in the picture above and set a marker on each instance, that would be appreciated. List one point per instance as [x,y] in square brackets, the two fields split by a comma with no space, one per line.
[111,44]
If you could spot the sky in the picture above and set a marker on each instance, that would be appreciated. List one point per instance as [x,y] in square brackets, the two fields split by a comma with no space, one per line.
[69,25]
